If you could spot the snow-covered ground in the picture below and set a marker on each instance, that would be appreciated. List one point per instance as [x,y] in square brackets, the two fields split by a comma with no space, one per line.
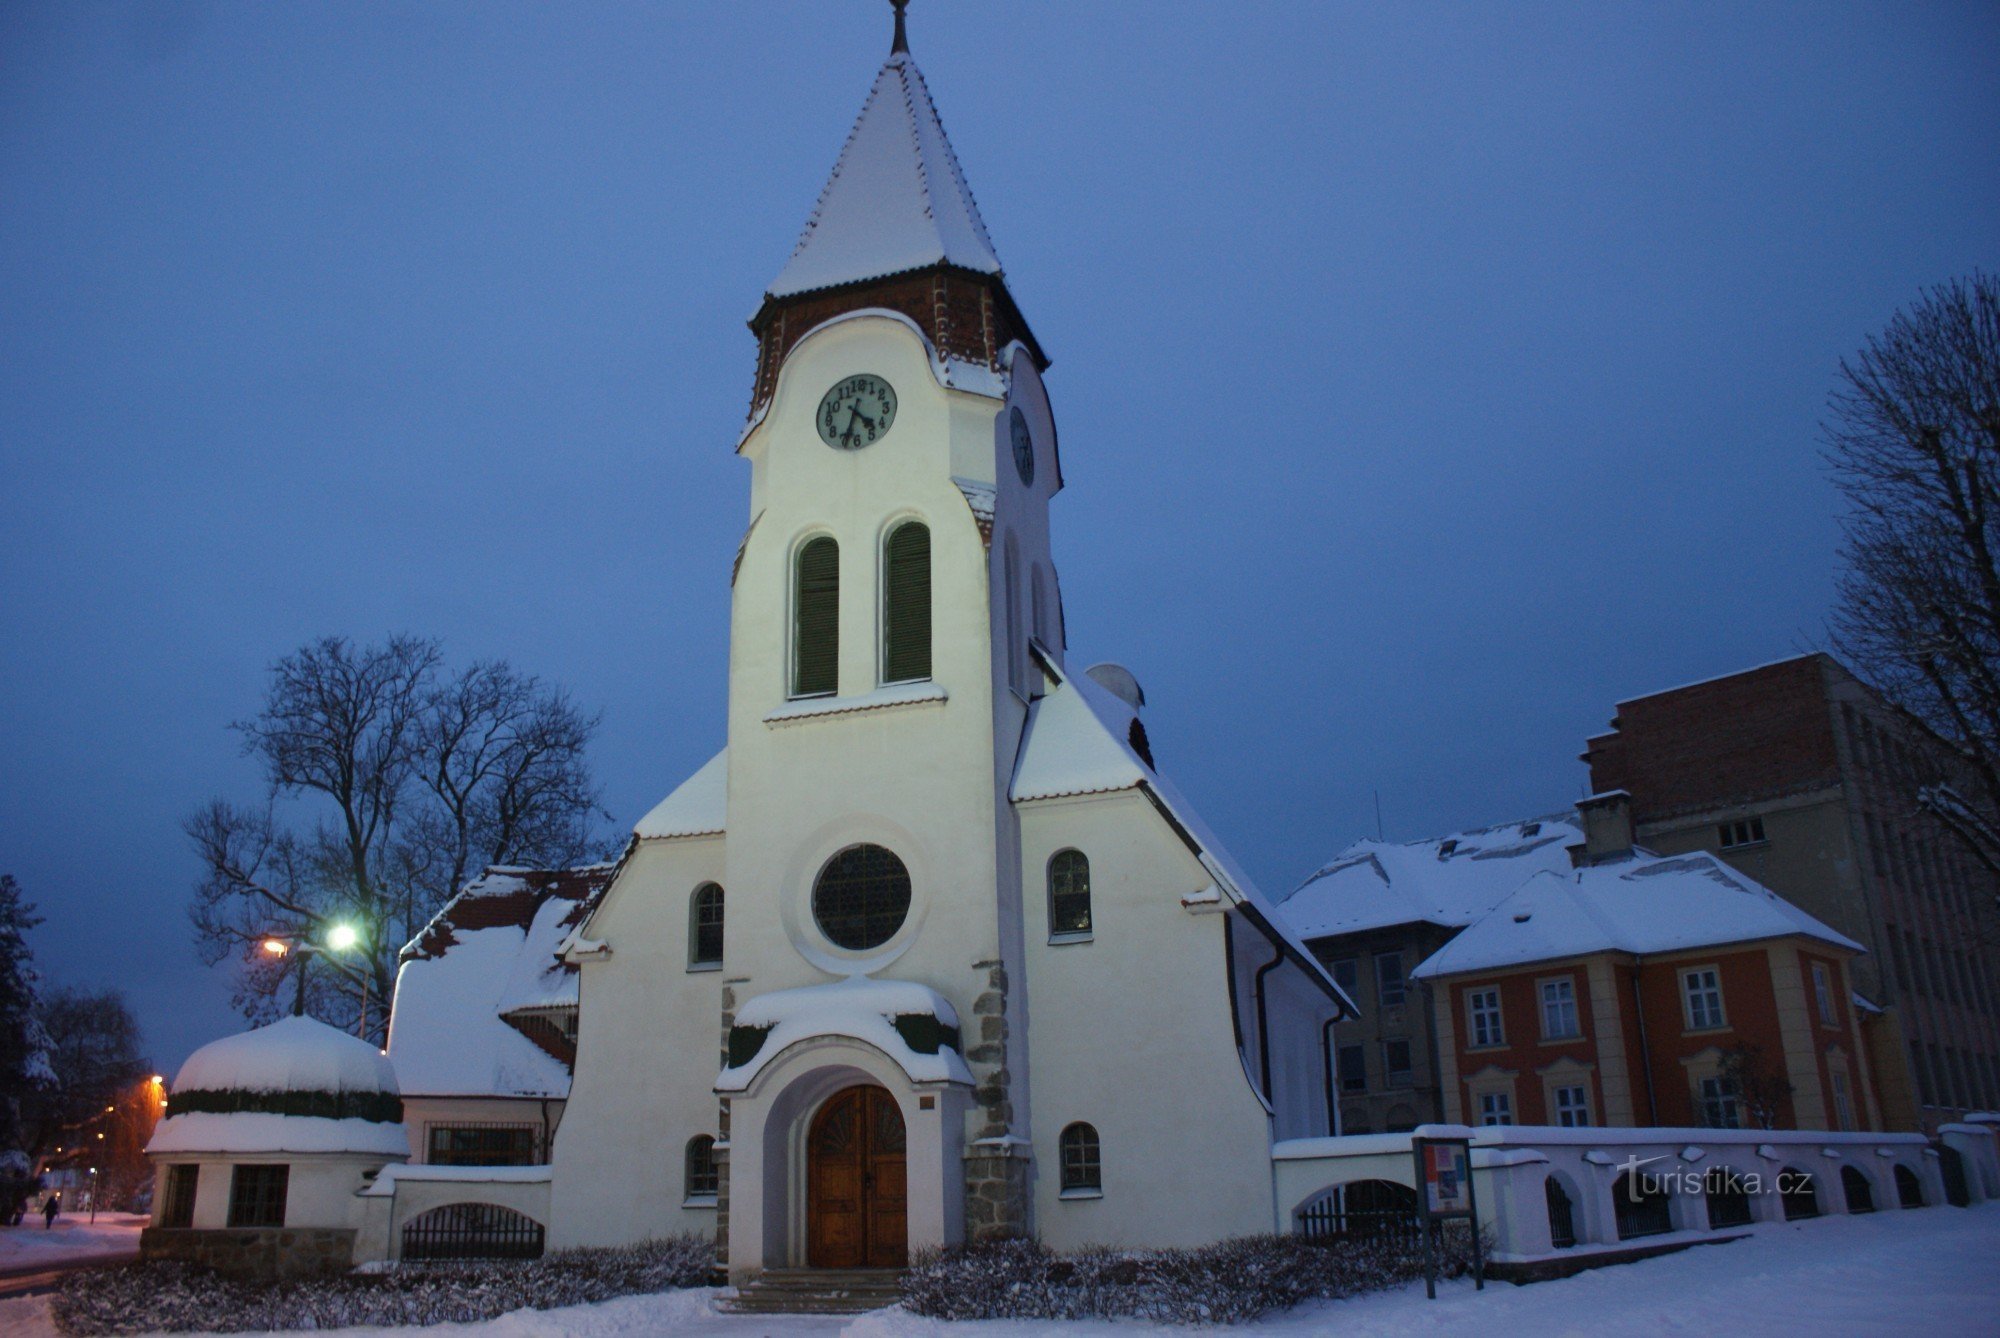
[1891,1273]
[31,1245]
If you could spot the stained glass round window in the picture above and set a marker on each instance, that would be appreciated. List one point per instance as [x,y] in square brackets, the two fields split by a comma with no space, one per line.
[862,897]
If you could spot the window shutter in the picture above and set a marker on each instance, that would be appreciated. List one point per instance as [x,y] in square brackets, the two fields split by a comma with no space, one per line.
[816,633]
[906,652]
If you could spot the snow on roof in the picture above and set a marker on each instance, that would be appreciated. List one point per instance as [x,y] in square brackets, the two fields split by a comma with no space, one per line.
[383,1186]
[1079,741]
[699,807]
[1645,904]
[490,956]
[258,1132]
[858,1008]
[298,1054]
[896,201]
[1450,880]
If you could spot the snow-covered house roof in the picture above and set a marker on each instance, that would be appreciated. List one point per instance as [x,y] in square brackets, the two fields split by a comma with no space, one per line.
[698,807]
[1449,881]
[1641,905]
[481,995]
[897,200]
[1084,739]
[295,1086]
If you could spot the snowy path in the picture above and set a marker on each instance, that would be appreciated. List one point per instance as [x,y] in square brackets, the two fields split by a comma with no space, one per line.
[1892,1273]
[31,1245]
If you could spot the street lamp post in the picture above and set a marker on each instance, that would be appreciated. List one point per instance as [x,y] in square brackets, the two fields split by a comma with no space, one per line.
[339,938]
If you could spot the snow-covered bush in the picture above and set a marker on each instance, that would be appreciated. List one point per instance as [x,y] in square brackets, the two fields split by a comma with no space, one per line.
[1225,1283]
[175,1297]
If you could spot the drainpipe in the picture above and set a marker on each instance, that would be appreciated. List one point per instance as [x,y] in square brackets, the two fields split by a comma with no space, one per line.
[1264,1023]
[1326,1054]
[1645,1050]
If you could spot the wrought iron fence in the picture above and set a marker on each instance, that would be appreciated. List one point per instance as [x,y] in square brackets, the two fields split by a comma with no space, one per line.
[472,1231]
[1362,1208]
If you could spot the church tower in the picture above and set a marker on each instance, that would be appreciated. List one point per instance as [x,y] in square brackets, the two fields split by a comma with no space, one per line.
[953,940]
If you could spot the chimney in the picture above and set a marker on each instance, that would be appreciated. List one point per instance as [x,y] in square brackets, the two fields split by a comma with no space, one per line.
[1607,828]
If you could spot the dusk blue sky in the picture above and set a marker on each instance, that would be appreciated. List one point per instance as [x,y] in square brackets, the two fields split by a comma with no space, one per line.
[1430,378]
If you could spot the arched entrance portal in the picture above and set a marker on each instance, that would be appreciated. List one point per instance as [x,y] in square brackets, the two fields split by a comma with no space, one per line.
[856,1182]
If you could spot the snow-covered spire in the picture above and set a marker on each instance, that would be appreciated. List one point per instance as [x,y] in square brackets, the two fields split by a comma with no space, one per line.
[897,200]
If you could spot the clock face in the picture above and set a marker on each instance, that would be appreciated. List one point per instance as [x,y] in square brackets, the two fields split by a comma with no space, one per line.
[857,412]
[1024,445]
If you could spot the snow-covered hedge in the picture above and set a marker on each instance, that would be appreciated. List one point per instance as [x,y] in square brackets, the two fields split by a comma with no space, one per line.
[1226,1283]
[174,1297]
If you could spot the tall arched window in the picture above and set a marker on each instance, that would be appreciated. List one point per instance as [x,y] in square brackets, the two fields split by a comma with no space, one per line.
[1069,893]
[699,1178]
[1082,1171]
[1038,621]
[705,926]
[816,619]
[906,604]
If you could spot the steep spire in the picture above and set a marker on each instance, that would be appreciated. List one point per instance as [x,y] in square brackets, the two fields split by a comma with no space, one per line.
[897,200]
[902,42]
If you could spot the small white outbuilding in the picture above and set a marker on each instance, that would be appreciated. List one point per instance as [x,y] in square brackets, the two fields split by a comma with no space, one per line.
[267,1138]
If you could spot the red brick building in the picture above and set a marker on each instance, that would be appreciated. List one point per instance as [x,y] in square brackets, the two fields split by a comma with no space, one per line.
[1797,775]
[1647,990]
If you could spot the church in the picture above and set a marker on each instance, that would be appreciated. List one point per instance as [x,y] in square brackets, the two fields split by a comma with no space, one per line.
[930,952]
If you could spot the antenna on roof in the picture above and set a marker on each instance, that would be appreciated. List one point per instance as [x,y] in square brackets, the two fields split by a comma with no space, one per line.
[902,42]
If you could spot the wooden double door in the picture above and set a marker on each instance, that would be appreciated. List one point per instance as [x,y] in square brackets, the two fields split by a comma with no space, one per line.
[857,1180]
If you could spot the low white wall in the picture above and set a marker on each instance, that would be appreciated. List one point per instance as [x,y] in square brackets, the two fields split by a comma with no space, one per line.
[1511,1165]
[401,1193]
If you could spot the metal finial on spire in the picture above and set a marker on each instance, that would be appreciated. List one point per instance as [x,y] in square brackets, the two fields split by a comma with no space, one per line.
[902,42]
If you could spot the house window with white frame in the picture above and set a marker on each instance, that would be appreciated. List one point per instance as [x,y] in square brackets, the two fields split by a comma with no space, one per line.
[1573,1107]
[1396,1062]
[1823,994]
[1390,986]
[1721,1104]
[1701,988]
[1484,1008]
[1496,1108]
[1559,1019]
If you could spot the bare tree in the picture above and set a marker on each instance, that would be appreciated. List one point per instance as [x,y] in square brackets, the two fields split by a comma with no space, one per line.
[1760,1085]
[1914,445]
[93,1058]
[392,781]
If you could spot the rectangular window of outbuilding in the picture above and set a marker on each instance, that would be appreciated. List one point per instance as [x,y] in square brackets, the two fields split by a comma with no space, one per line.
[178,1210]
[480,1144]
[1702,988]
[1559,1019]
[1346,974]
[1390,986]
[257,1196]
[1484,1006]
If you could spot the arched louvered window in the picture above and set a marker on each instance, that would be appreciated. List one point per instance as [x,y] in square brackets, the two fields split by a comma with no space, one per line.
[816,619]
[906,604]
[705,926]
[700,1179]
[1069,894]
[1082,1167]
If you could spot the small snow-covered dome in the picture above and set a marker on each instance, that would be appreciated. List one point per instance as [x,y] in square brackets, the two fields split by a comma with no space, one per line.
[294,1086]
[299,1054]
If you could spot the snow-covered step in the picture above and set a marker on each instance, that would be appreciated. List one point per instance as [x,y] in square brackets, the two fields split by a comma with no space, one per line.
[816,1291]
